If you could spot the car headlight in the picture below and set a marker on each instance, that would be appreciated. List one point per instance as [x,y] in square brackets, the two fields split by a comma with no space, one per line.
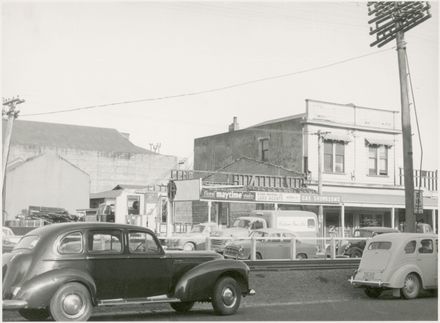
[241,252]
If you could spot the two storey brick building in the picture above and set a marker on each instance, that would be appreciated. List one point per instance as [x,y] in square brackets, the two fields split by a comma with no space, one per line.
[361,161]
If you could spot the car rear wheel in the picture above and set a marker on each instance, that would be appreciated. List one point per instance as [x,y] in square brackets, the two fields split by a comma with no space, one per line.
[301,256]
[373,292]
[34,314]
[411,286]
[182,307]
[71,302]
[356,254]
[258,256]
[226,297]
[189,246]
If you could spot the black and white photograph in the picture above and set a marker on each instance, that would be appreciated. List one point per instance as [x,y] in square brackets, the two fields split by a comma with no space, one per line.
[220,160]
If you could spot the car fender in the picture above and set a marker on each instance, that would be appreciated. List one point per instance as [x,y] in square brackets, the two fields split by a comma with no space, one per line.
[351,249]
[38,291]
[198,283]
[398,278]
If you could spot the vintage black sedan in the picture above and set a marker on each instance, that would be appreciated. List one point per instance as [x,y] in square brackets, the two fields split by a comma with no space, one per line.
[65,270]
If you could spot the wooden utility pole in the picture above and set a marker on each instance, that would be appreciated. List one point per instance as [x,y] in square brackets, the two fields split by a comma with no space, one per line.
[391,20]
[11,114]
[320,135]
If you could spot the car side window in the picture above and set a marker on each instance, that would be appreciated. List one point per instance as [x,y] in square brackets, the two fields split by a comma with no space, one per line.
[142,242]
[72,243]
[426,246]
[410,247]
[274,237]
[105,241]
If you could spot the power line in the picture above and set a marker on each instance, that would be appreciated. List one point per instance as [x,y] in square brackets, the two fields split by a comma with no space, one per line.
[223,88]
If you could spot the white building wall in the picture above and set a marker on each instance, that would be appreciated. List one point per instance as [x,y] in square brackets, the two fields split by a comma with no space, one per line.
[107,170]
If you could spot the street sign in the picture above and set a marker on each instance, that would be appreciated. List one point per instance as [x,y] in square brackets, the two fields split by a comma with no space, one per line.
[418,202]
[171,190]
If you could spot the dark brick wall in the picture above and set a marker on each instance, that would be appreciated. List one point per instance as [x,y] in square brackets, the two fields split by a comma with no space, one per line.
[285,146]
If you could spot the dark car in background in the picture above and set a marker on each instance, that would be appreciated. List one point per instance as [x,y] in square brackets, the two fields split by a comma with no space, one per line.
[355,248]
[65,270]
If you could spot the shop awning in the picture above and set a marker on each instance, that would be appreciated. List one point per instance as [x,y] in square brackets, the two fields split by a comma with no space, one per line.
[385,200]
[379,142]
[337,137]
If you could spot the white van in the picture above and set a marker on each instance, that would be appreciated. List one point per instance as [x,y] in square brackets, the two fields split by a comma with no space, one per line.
[303,223]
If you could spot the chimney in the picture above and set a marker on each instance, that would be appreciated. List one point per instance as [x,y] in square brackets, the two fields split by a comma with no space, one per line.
[234,125]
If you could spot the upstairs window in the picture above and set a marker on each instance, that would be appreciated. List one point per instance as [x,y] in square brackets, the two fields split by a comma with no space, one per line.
[264,149]
[378,160]
[334,156]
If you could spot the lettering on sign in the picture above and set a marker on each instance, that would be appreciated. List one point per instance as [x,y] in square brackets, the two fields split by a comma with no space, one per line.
[229,196]
[277,197]
[313,198]
[268,181]
[418,202]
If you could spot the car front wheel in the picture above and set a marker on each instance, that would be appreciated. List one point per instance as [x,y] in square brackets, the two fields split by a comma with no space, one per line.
[373,292]
[34,314]
[71,302]
[301,256]
[226,297]
[189,246]
[182,307]
[411,286]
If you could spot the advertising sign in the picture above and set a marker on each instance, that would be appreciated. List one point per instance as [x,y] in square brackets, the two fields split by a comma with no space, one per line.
[418,202]
[318,199]
[227,196]
[277,197]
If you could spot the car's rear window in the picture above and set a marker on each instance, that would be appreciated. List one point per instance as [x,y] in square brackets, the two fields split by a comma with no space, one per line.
[27,242]
[384,245]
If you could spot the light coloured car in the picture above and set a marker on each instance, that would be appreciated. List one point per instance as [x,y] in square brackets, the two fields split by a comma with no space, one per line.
[9,239]
[405,263]
[193,240]
[270,244]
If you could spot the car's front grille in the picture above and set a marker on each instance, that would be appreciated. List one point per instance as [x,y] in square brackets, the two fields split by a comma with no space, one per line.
[231,251]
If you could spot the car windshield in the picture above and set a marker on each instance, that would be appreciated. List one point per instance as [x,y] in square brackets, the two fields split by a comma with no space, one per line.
[258,234]
[27,242]
[197,228]
[362,233]
[241,223]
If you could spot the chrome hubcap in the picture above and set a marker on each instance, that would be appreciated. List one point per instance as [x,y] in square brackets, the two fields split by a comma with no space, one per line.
[72,304]
[229,297]
[410,285]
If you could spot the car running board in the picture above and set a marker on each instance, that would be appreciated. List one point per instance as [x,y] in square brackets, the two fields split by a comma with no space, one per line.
[137,301]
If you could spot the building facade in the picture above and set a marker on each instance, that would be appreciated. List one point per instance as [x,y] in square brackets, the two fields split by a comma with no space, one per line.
[105,154]
[46,180]
[357,149]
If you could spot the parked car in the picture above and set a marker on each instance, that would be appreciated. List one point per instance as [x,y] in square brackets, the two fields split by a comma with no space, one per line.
[403,262]
[193,240]
[64,270]
[355,248]
[9,239]
[278,245]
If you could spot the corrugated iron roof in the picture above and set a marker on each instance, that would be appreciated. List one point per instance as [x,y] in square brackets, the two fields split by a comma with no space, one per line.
[32,133]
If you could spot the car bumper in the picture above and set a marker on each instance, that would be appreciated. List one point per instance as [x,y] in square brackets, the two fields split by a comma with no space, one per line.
[367,283]
[13,304]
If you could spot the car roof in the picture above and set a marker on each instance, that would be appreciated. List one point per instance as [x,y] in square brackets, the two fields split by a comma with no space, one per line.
[59,228]
[272,230]
[378,229]
[402,236]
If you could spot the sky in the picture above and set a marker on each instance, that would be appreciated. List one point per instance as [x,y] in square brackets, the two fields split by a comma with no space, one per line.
[191,66]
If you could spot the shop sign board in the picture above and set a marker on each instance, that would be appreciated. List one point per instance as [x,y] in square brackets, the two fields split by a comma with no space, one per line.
[227,196]
[277,197]
[418,202]
[324,199]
